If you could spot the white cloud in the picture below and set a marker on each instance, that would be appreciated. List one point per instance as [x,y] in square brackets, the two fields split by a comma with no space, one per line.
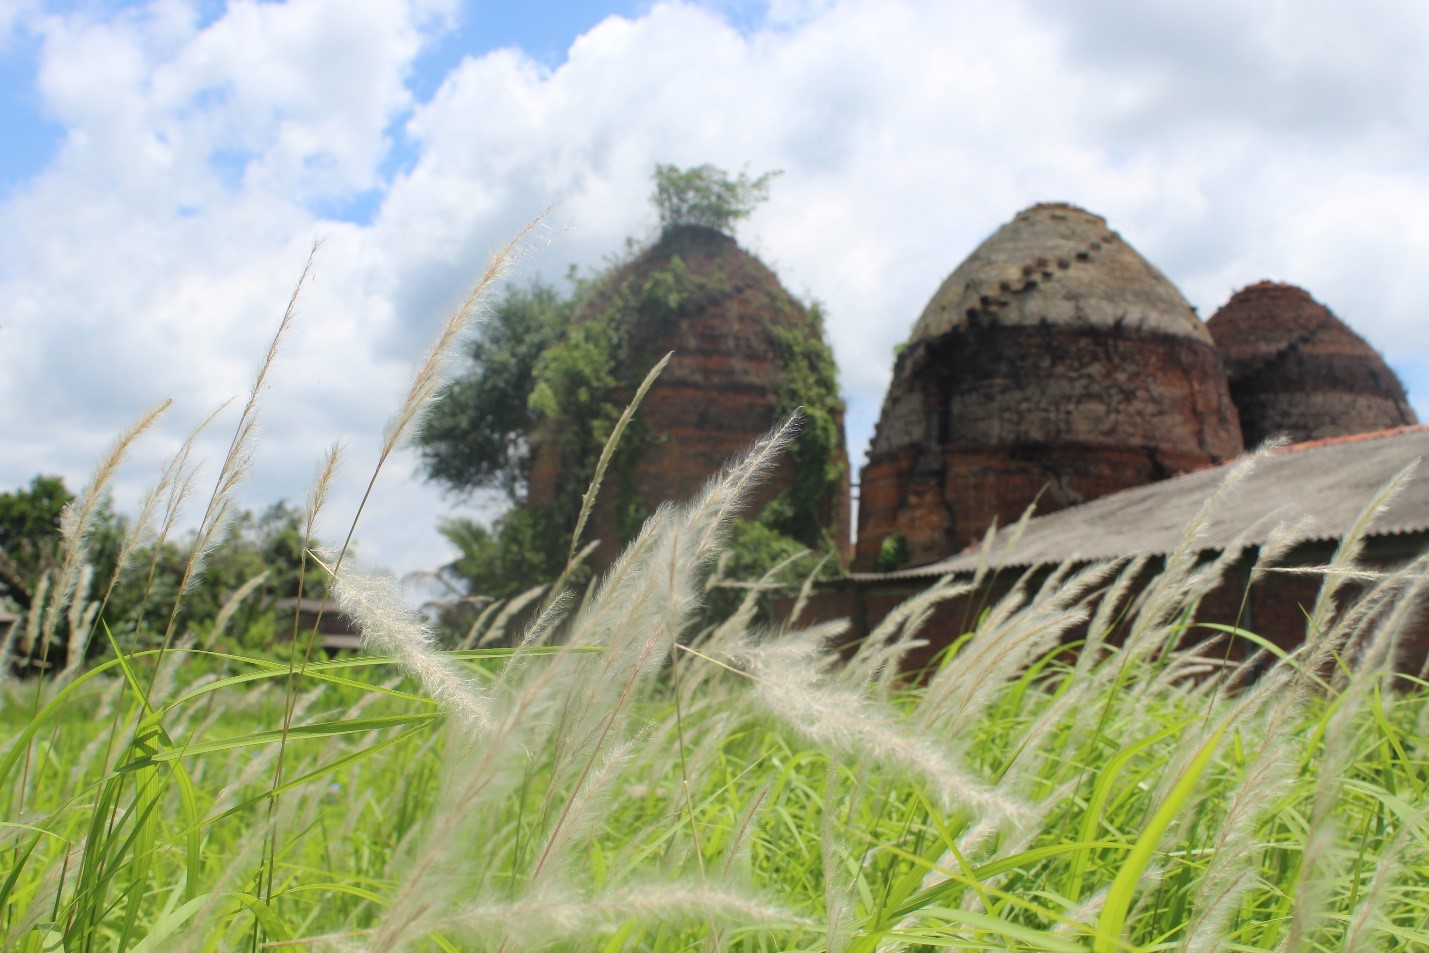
[1228,142]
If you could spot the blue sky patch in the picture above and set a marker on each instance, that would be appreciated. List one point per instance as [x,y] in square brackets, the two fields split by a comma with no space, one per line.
[31,140]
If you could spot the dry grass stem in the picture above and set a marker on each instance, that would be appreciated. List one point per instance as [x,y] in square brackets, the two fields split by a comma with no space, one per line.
[78,519]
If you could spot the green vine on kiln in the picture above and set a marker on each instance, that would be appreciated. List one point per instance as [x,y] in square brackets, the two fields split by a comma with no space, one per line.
[810,386]
[582,383]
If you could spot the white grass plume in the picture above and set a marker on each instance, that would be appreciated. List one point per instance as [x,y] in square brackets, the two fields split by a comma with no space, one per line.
[80,619]
[1380,651]
[478,627]
[1078,921]
[390,628]
[433,371]
[848,724]
[559,912]
[806,589]
[840,888]
[221,506]
[640,607]
[1315,880]
[323,477]
[733,627]
[231,606]
[509,609]
[1176,585]
[30,627]
[580,810]
[1387,867]
[712,510]
[153,527]
[1111,606]
[1231,872]
[1014,633]
[569,715]
[1346,553]
[882,651]
[606,453]
[737,864]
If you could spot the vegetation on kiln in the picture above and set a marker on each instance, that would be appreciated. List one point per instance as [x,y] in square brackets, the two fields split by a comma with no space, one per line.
[561,368]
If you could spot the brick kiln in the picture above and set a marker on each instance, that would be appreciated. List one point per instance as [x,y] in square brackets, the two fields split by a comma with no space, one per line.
[736,334]
[1054,360]
[1297,369]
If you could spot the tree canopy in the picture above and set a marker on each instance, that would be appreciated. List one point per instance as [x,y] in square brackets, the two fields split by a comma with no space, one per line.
[475,436]
[136,600]
[29,535]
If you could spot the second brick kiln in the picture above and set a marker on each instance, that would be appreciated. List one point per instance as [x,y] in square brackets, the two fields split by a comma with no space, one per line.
[1055,356]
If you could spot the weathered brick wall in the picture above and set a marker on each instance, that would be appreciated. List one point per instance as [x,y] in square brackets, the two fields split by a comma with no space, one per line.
[1275,607]
[984,419]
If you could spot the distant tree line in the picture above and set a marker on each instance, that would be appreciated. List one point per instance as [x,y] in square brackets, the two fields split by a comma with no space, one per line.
[267,544]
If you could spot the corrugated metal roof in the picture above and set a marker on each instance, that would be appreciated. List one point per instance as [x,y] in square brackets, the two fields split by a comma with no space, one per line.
[1328,480]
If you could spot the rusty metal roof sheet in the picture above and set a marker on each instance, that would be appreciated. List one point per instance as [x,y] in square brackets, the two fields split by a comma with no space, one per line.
[1329,481]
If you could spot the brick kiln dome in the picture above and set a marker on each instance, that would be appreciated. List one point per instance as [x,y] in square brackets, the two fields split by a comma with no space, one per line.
[742,346]
[1297,369]
[1058,264]
[1054,360]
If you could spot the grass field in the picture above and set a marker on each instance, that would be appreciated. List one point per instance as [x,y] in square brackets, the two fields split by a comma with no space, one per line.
[626,777]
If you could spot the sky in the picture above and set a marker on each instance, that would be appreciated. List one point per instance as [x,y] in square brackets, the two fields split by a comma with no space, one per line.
[167,166]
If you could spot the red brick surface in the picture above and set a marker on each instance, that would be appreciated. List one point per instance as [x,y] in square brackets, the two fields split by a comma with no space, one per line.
[985,420]
[1297,369]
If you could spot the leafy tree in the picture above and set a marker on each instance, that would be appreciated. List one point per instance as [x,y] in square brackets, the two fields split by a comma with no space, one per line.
[892,553]
[522,548]
[30,536]
[475,436]
[268,543]
[706,195]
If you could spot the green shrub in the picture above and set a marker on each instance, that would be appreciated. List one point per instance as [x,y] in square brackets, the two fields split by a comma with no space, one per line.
[892,553]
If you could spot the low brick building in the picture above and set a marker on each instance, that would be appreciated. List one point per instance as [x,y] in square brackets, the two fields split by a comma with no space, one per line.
[1329,480]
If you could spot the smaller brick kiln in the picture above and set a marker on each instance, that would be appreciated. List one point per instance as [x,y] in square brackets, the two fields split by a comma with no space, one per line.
[736,334]
[1297,369]
[1055,356]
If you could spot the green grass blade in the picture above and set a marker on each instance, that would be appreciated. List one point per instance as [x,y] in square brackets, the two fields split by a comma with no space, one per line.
[326,729]
[1112,922]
